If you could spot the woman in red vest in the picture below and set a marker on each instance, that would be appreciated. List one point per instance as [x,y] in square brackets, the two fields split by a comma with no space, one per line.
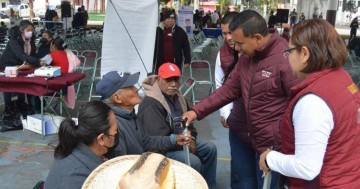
[320,131]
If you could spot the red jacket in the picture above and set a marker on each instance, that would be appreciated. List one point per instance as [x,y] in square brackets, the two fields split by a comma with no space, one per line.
[264,82]
[60,59]
[341,168]
[237,118]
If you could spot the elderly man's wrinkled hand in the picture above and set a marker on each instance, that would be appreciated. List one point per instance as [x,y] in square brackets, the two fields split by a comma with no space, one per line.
[182,139]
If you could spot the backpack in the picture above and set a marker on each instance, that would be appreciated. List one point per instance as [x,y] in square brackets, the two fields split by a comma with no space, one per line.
[11,117]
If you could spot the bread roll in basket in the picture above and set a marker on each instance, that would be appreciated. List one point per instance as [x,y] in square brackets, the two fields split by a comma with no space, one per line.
[150,171]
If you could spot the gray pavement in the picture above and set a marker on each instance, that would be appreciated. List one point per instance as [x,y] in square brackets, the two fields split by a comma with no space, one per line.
[34,156]
[28,157]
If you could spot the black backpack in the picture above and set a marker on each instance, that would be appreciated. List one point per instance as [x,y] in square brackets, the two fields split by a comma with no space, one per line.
[11,117]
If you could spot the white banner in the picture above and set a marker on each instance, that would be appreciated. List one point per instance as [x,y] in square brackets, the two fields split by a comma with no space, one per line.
[129,36]
[185,19]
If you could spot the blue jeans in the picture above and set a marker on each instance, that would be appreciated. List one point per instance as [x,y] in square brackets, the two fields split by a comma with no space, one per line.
[245,171]
[204,161]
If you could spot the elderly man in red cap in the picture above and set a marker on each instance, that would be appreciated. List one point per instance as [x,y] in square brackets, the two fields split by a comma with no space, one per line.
[161,111]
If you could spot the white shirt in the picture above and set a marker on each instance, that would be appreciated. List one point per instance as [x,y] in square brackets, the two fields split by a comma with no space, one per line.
[219,75]
[313,123]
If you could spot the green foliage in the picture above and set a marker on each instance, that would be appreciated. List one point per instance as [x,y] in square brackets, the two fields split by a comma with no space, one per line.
[223,5]
[349,6]
[164,1]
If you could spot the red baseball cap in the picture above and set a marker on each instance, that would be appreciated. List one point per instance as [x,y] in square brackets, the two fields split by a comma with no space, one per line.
[168,69]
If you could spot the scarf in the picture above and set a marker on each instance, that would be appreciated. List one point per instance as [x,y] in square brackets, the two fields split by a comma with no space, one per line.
[27,45]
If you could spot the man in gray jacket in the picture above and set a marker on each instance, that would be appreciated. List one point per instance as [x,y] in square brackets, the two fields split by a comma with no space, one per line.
[161,112]
[118,91]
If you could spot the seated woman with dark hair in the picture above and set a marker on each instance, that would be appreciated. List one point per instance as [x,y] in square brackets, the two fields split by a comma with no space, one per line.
[65,59]
[58,55]
[82,143]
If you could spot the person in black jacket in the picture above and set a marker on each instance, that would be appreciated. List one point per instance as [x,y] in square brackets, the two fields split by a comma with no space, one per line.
[44,48]
[353,28]
[172,44]
[79,19]
[20,52]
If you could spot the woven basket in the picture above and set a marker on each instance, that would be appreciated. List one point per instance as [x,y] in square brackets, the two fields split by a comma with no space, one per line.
[108,174]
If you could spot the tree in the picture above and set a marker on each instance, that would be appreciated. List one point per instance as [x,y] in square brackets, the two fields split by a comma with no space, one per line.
[165,1]
[223,4]
[349,6]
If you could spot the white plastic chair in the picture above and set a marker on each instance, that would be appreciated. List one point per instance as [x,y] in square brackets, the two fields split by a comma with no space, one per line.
[94,79]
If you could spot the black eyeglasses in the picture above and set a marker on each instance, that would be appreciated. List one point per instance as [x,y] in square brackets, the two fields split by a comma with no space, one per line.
[287,52]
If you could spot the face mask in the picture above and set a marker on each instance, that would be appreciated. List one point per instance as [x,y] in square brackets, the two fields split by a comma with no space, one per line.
[28,35]
[111,154]
[43,41]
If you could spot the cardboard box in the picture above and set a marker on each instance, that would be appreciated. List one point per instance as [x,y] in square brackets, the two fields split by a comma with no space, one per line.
[51,123]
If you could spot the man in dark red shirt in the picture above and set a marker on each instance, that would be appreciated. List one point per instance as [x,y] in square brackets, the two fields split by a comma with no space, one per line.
[172,44]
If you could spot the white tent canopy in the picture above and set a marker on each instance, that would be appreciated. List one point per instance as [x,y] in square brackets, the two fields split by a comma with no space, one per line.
[129,36]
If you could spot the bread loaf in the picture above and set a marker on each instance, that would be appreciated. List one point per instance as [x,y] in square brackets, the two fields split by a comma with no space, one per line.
[151,171]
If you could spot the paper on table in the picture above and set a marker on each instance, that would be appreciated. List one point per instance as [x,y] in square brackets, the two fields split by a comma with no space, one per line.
[47,59]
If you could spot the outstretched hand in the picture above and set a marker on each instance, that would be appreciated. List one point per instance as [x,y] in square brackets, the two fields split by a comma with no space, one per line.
[190,115]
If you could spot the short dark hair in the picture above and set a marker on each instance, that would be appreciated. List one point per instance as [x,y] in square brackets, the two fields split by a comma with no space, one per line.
[250,22]
[326,47]
[48,32]
[93,119]
[228,17]
[25,23]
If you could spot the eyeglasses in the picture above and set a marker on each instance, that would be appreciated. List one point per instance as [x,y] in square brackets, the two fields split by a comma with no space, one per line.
[287,52]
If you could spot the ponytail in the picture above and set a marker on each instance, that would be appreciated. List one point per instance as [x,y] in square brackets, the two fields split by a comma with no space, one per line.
[67,138]
[93,119]
[59,43]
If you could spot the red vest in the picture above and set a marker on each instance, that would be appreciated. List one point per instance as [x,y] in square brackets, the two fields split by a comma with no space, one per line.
[341,164]
[226,56]
[237,118]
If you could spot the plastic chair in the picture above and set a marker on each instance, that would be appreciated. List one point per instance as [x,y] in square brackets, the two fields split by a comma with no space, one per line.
[203,68]
[90,55]
[75,52]
[81,68]
[94,79]
[187,86]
